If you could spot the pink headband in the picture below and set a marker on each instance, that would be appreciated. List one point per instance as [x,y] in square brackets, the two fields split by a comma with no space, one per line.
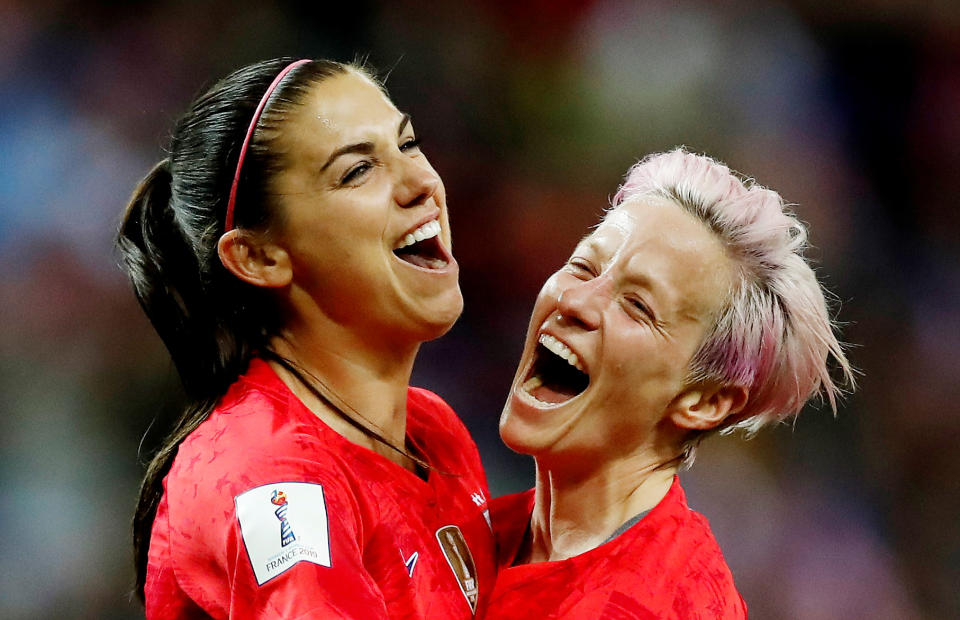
[228,221]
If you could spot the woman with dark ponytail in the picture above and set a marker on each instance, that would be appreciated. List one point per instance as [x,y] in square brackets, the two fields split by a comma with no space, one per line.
[293,252]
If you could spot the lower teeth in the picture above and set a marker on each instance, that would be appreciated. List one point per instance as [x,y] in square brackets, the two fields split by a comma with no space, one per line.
[532,383]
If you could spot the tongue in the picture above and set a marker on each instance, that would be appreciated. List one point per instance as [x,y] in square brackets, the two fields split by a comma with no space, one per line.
[426,262]
[426,254]
[552,394]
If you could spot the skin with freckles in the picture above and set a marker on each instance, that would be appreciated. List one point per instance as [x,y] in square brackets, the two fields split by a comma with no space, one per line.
[633,302]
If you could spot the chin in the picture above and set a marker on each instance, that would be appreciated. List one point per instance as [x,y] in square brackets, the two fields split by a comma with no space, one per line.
[442,316]
[518,434]
[513,439]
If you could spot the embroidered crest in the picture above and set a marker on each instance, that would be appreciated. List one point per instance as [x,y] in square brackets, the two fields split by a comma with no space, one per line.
[460,559]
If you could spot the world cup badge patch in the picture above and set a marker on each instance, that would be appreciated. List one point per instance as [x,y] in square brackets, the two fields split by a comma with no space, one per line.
[279,499]
[460,559]
[283,524]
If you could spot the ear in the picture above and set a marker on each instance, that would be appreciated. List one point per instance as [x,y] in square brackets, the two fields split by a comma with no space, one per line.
[254,260]
[703,408]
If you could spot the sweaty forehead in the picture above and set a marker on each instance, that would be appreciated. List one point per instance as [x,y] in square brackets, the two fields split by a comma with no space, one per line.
[348,100]
[657,222]
[624,227]
[608,236]
[618,222]
[340,110]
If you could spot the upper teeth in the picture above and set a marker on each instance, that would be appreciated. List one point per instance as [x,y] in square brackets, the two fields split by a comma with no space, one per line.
[555,346]
[427,231]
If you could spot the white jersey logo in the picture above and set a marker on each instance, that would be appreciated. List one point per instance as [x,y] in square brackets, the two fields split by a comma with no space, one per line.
[282,524]
[410,562]
[480,500]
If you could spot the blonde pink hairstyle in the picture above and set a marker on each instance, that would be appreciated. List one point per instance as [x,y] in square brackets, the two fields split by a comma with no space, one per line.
[774,334]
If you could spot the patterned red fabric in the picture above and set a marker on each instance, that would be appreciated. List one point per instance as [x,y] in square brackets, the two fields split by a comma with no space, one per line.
[666,566]
[378,515]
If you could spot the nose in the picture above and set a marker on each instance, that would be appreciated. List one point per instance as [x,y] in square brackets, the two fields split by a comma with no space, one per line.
[582,302]
[418,183]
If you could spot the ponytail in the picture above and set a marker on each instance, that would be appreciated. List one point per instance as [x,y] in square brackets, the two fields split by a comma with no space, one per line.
[155,255]
[163,268]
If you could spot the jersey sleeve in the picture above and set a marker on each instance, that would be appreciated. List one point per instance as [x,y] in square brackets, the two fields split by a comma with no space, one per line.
[704,585]
[281,540]
[296,554]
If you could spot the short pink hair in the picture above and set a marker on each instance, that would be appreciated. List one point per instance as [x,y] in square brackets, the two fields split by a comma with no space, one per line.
[774,335]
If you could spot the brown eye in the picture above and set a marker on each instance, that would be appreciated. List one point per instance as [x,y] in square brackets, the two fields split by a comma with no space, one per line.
[413,144]
[355,173]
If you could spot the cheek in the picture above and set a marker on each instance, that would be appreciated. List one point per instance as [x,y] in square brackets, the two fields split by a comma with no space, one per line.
[642,362]
[343,224]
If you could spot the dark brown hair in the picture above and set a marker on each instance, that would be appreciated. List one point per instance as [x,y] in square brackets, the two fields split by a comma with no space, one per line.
[211,322]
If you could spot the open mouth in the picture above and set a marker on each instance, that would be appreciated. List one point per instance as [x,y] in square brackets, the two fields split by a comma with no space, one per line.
[556,374]
[422,247]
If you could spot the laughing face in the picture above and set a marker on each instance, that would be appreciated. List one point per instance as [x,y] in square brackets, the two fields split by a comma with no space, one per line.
[612,334]
[364,217]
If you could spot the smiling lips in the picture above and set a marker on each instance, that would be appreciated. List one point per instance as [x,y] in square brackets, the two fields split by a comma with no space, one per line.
[422,247]
[556,374]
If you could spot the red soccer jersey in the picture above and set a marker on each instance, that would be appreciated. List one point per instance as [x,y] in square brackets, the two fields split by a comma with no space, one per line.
[269,513]
[667,565]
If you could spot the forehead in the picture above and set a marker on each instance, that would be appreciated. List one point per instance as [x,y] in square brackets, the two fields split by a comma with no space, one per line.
[343,109]
[656,243]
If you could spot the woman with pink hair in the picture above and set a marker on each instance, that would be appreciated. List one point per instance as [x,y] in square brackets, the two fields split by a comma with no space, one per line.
[688,311]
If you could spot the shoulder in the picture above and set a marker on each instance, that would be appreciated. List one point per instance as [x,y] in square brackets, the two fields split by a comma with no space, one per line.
[437,430]
[691,531]
[691,560]
[257,435]
[255,432]
[255,466]
[707,573]
[510,517]
[426,408]
[508,509]
[255,411]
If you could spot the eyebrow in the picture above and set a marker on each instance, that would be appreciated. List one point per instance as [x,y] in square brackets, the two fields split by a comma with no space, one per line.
[364,148]
[642,279]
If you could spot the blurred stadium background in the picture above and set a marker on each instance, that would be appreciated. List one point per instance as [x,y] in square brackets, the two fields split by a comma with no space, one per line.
[531,110]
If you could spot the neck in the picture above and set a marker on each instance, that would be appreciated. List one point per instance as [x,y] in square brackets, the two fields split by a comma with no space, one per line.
[365,382]
[575,512]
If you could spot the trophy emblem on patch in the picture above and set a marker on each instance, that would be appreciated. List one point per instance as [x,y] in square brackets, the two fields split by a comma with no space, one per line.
[460,559]
[279,499]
